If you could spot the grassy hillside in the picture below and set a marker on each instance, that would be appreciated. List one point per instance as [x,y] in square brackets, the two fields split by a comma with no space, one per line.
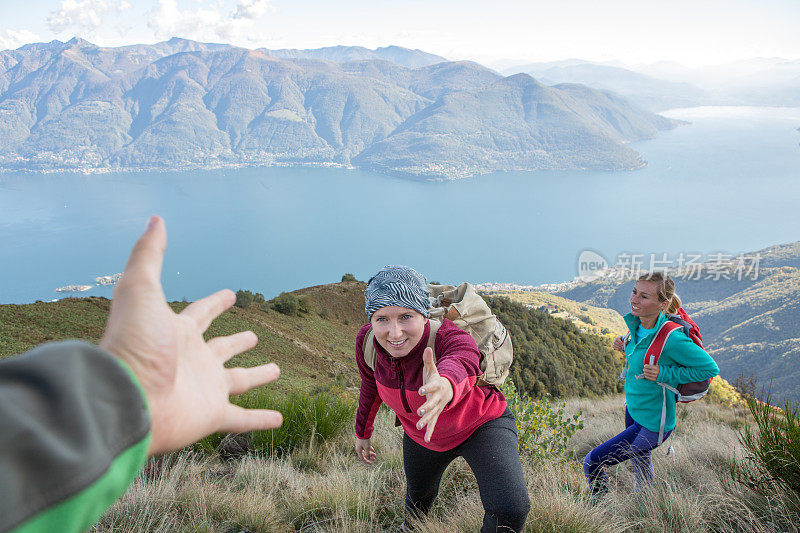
[552,356]
[324,488]
[588,318]
[315,346]
[310,349]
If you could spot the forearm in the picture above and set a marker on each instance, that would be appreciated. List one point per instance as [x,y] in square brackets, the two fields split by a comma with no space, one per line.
[75,434]
[691,363]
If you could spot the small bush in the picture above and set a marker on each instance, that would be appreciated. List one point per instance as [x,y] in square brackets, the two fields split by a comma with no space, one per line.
[303,305]
[244,299]
[544,433]
[258,299]
[349,277]
[324,313]
[286,303]
[307,420]
[773,448]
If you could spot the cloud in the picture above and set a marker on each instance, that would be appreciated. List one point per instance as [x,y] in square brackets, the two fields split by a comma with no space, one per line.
[83,16]
[167,20]
[11,39]
[251,9]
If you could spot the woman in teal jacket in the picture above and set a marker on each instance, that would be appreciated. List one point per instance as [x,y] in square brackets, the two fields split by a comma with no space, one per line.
[650,408]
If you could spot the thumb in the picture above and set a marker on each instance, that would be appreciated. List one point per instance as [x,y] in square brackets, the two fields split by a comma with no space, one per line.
[145,261]
[427,359]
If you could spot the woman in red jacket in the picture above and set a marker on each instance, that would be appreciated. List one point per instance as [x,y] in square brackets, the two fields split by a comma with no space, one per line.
[444,412]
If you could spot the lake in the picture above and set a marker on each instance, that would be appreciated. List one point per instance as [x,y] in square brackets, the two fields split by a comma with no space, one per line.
[728,182]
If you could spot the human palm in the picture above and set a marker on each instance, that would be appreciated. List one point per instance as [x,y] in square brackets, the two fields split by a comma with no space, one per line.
[183,376]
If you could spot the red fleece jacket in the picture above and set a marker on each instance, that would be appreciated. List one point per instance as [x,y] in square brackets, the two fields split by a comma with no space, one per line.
[396,381]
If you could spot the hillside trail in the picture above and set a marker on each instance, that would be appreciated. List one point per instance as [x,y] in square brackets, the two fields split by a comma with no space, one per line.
[300,344]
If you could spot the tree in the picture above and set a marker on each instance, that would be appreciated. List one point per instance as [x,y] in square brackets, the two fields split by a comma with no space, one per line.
[349,277]
[244,299]
[286,304]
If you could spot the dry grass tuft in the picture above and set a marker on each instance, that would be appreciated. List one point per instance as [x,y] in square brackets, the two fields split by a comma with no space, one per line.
[326,489]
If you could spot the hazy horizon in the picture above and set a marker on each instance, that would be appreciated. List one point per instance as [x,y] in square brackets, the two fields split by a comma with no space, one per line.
[508,34]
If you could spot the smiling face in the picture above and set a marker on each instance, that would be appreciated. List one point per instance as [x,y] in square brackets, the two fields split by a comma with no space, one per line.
[645,302]
[398,329]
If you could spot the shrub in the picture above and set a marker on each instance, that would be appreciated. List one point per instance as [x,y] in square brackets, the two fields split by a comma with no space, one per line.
[258,299]
[307,420]
[543,430]
[324,313]
[773,448]
[244,299]
[303,305]
[349,277]
[286,303]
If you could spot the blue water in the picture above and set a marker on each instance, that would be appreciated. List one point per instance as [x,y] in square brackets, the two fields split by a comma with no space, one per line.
[729,182]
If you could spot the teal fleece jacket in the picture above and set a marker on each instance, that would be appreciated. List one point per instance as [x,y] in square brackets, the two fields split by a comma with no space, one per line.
[681,361]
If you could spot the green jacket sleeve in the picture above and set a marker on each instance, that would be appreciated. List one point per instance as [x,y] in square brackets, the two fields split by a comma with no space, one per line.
[75,432]
[686,362]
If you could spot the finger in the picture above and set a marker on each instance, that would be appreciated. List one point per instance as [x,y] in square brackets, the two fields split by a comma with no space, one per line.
[205,310]
[147,256]
[365,457]
[428,406]
[230,345]
[239,420]
[243,379]
[430,415]
[429,433]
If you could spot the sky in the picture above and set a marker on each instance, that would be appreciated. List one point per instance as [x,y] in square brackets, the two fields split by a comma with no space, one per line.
[500,32]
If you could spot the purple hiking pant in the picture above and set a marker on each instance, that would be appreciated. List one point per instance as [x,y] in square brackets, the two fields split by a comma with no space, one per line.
[635,443]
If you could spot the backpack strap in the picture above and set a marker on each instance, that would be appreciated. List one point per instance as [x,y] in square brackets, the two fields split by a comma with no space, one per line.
[651,358]
[370,354]
[659,341]
[625,340]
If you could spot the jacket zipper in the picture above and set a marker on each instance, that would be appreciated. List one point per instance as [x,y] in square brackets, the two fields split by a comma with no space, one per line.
[403,388]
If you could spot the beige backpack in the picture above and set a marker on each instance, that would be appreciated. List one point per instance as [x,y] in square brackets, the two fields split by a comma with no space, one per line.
[469,312]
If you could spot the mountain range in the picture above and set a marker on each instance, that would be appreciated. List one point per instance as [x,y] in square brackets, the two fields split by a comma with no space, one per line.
[183,104]
[749,323]
[665,85]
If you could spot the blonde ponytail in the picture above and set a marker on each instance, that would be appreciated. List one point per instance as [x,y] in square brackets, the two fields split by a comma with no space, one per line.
[674,304]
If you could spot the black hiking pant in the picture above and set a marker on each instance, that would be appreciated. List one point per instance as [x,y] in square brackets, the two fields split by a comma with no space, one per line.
[493,455]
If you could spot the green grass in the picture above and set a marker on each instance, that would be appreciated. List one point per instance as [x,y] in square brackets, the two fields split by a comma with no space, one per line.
[308,420]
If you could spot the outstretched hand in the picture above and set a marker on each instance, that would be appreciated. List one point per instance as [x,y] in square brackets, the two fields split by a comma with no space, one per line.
[438,392]
[183,376]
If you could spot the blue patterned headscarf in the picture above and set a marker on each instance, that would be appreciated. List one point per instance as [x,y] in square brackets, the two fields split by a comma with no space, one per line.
[397,285]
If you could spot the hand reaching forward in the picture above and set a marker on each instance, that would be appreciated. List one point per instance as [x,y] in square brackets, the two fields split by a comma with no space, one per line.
[437,391]
[183,376]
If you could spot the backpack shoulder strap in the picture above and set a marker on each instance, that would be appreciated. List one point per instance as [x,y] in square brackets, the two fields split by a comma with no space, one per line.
[369,348]
[657,345]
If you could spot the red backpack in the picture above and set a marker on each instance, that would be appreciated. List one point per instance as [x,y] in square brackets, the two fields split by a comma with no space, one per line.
[686,392]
